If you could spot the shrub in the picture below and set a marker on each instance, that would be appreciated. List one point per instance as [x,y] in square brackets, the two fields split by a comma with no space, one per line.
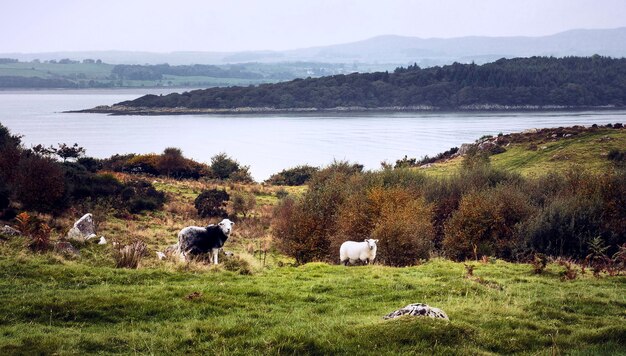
[403,227]
[563,227]
[616,155]
[242,203]
[89,163]
[293,176]
[485,223]
[36,230]
[539,263]
[223,167]
[303,228]
[172,162]
[140,196]
[212,203]
[129,256]
[40,184]
[237,264]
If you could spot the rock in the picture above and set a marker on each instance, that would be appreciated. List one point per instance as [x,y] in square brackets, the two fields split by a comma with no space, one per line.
[102,241]
[487,146]
[65,248]
[465,148]
[9,231]
[530,131]
[83,230]
[418,309]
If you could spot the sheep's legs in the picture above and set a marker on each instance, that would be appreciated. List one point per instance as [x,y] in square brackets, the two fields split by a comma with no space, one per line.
[215,253]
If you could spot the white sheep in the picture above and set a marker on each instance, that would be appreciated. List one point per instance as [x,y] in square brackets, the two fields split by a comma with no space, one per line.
[351,251]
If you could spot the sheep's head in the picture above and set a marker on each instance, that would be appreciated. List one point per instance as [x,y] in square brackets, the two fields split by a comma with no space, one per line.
[371,243]
[226,226]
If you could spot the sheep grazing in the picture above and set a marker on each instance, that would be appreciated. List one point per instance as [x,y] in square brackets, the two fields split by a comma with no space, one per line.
[195,240]
[352,251]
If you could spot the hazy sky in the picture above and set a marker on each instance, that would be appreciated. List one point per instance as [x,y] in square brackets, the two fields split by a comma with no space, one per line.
[234,25]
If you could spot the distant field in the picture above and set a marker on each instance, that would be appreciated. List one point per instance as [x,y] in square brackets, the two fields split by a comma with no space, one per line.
[100,75]
[46,70]
[587,151]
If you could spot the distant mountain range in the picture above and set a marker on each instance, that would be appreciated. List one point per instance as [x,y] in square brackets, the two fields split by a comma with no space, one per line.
[390,49]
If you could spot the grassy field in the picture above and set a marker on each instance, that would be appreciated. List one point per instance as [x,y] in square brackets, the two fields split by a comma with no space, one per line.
[586,151]
[50,305]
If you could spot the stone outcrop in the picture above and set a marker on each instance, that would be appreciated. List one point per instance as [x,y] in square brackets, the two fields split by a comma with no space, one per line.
[418,309]
[84,229]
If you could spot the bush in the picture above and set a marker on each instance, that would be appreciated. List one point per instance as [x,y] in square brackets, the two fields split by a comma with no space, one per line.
[36,230]
[141,196]
[485,223]
[242,203]
[212,203]
[40,184]
[293,176]
[563,227]
[223,167]
[237,264]
[403,227]
[303,228]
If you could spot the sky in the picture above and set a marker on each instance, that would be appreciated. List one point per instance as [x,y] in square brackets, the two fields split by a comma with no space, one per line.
[240,25]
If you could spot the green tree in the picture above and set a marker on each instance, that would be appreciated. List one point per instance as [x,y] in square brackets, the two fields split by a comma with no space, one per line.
[64,151]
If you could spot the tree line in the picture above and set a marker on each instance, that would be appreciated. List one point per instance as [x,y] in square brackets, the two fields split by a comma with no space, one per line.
[535,81]
[156,72]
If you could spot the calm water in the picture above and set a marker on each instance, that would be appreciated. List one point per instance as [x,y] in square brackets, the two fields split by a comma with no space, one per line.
[268,143]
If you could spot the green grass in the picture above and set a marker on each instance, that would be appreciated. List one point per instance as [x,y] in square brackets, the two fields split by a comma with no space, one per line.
[50,305]
[586,151]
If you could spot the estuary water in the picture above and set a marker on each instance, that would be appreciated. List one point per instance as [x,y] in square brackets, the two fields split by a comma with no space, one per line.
[267,143]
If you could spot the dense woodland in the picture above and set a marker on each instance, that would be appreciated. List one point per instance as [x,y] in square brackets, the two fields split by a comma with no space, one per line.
[536,81]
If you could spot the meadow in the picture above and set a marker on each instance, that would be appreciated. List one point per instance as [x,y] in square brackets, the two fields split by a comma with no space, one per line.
[50,305]
[262,301]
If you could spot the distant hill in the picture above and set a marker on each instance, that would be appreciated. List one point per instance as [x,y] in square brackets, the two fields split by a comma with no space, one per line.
[506,84]
[393,50]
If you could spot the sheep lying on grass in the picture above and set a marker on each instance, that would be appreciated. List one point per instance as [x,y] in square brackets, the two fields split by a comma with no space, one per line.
[352,251]
[195,240]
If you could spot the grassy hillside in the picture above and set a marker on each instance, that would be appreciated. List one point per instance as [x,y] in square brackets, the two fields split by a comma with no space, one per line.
[52,304]
[542,153]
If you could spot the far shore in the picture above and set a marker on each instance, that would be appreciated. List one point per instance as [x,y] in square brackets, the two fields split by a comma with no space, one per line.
[129,110]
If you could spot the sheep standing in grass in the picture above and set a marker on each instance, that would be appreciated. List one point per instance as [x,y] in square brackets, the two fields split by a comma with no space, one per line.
[352,251]
[195,240]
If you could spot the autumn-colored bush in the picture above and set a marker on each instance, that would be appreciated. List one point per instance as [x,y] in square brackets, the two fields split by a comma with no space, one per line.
[303,228]
[36,231]
[403,227]
[485,223]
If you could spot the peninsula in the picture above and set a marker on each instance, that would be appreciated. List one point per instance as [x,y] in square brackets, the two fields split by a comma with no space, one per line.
[535,83]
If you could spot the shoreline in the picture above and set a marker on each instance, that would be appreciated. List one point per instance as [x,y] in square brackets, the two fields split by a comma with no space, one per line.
[122,110]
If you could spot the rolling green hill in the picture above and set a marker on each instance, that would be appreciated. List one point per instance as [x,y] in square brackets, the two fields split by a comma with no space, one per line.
[540,152]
